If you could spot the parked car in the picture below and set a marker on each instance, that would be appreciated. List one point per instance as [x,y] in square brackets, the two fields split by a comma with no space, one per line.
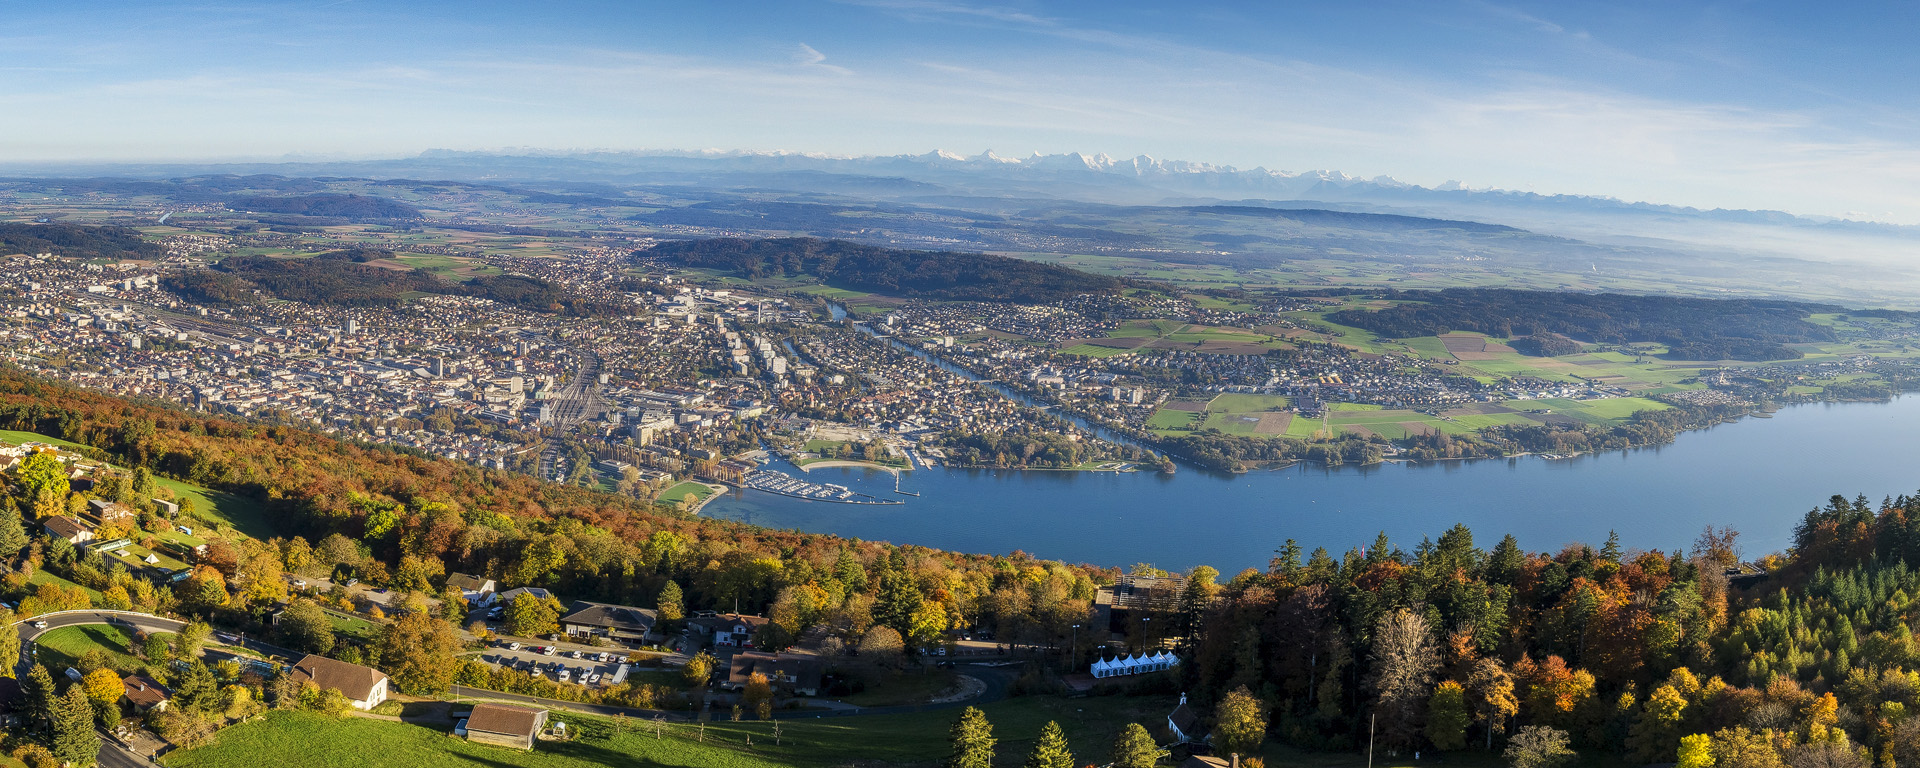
[595,679]
[576,654]
[513,647]
[564,676]
[548,651]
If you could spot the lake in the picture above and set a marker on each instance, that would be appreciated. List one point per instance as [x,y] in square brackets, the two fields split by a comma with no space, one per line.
[1759,475]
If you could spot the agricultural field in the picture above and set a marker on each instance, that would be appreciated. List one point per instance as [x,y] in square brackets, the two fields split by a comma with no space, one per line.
[1178,336]
[1230,413]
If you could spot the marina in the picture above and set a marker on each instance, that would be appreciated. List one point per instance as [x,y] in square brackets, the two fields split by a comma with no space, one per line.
[787,485]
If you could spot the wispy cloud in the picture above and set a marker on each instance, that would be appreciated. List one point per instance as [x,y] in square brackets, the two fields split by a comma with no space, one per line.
[805,56]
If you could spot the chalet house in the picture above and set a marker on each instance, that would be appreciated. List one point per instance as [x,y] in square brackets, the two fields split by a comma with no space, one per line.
[792,674]
[366,687]
[108,511]
[505,726]
[506,598]
[729,629]
[145,694]
[477,591]
[168,508]
[69,528]
[614,622]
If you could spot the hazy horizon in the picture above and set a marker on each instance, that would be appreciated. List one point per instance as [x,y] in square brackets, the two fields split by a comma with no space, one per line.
[1753,107]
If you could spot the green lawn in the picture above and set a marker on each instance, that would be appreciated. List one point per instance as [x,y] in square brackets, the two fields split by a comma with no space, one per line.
[63,647]
[349,624]
[243,515]
[699,491]
[16,437]
[43,576]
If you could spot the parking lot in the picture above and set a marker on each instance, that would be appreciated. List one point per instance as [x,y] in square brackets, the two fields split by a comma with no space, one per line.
[575,663]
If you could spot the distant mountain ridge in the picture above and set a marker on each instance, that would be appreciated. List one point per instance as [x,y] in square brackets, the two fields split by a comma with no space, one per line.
[1141,171]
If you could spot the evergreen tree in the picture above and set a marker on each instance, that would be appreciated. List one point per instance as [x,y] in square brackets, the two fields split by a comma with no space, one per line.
[1050,750]
[195,690]
[13,535]
[71,735]
[849,571]
[1134,748]
[972,740]
[1503,565]
[9,639]
[40,696]
[899,598]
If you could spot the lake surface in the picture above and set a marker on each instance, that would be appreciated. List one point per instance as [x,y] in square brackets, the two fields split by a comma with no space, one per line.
[1759,475]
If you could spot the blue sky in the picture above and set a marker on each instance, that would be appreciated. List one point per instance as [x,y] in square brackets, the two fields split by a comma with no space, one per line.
[1750,105]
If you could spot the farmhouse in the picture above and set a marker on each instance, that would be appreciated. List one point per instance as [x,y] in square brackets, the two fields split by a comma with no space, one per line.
[727,629]
[364,686]
[69,528]
[478,591]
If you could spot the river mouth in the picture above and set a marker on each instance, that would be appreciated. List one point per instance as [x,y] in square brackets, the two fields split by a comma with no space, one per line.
[1759,476]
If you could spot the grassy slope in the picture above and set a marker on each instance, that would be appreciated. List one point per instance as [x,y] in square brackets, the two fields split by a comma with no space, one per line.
[299,740]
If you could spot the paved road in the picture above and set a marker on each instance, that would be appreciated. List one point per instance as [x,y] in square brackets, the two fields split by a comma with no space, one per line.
[995,679]
[139,621]
[113,756]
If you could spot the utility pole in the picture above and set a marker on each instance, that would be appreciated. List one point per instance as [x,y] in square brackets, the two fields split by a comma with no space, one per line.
[1370,723]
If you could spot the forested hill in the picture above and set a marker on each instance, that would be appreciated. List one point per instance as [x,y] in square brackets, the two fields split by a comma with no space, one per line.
[1451,645]
[76,240]
[944,275]
[350,279]
[328,205]
[1694,329]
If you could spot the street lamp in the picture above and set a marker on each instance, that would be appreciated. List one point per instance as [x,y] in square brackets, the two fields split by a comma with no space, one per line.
[1075,649]
[1146,629]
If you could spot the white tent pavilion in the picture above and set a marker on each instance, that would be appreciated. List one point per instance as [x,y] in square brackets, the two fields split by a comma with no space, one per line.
[1134,665]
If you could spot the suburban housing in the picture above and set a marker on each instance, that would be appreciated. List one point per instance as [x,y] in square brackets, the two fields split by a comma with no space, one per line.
[366,687]
[614,622]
